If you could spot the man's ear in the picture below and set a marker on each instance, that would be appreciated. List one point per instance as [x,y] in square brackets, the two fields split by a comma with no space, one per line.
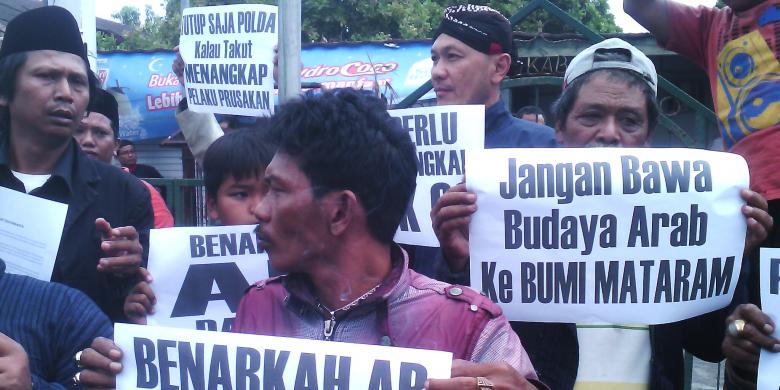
[559,139]
[211,207]
[501,64]
[342,207]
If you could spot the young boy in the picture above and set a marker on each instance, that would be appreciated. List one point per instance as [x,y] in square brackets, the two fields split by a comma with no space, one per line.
[233,169]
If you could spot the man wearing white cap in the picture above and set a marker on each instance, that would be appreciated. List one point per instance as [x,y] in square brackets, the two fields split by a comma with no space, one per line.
[609,100]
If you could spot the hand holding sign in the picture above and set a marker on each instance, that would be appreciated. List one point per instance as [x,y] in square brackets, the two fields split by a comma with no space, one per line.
[451,216]
[742,349]
[101,362]
[464,376]
[14,366]
[141,299]
[759,222]
[121,247]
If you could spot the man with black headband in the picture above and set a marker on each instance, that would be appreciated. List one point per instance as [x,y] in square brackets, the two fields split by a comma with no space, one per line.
[45,88]
[472,53]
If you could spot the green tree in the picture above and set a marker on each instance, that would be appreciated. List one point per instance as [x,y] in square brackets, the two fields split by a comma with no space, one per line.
[156,32]
[345,20]
[129,16]
[359,20]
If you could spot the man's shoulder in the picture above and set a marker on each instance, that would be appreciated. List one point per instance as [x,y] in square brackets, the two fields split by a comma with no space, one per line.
[46,296]
[262,308]
[147,171]
[457,296]
[115,178]
[271,288]
[519,133]
[541,131]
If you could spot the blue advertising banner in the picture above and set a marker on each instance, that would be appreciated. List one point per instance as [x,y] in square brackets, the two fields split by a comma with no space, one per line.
[145,88]
[394,69]
[148,91]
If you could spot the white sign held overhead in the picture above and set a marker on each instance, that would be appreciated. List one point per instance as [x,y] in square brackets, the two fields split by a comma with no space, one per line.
[228,52]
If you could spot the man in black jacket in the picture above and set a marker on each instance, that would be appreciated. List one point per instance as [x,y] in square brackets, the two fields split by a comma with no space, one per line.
[45,86]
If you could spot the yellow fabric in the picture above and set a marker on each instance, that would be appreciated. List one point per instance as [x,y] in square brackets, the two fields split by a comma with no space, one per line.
[608,386]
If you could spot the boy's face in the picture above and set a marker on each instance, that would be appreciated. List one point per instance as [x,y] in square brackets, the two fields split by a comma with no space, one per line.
[742,5]
[236,199]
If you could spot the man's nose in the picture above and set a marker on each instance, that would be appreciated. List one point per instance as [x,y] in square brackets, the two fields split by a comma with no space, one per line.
[438,71]
[261,210]
[86,139]
[609,134]
[63,91]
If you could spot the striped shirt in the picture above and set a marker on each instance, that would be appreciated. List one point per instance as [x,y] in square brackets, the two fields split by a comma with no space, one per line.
[52,322]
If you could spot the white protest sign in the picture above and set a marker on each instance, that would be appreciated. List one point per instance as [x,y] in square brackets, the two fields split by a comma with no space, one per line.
[228,52]
[641,236]
[201,273]
[442,135]
[166,358]
[30,233]
[769,362]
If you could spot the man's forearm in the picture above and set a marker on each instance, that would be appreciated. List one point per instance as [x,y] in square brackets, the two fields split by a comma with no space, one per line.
[200,131]
[632,7]
[651,14]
